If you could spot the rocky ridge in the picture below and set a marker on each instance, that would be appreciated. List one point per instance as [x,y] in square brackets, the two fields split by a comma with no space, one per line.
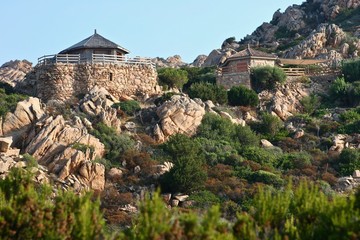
[13,72]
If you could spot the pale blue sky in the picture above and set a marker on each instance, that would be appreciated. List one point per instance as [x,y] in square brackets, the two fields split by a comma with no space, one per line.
[32,28]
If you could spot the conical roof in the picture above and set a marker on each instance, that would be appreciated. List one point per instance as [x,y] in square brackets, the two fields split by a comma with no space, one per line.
[95,41]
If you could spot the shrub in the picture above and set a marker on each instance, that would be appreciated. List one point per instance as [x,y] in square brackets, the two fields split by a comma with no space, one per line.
[351,70]
[130,107]
[215,127]
[259,155]
[27,211]
[9,101]
[205,199]
[266,177]
[266,77]
[208,91]
[242,96]
[172,77]
[199,74]
[187,174]
[269,126]
[297,160]
[115,144]
[349,160]
[310,103]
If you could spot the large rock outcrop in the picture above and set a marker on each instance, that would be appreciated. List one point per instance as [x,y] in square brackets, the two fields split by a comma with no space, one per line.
[19,123]
[318,42]
[13,72]
[98,103]
[179,115]
[284,101]
[53,144]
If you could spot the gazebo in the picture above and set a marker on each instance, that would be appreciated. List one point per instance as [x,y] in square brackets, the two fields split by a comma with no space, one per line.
[95,44]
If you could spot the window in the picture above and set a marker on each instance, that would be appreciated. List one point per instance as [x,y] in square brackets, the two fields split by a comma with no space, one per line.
[110,76]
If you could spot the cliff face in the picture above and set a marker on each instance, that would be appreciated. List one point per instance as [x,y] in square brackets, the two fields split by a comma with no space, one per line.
[325,29]
[14,71]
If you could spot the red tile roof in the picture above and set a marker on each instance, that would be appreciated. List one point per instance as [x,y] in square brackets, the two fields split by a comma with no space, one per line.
[249,52]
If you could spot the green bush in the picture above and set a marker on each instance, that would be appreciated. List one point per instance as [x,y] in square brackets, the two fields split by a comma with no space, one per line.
[349,160]
[269,126]
[260,155]
[296,160]
[216,151]
[217,128]
[266,177]
[172,77]
[208,91]
[115,144]
[187,174]
[199,75]
[27,211]
[310,103]
[242,96]
[8,101]
[205,199]
[346,94]
[266,77]
[283,32]
[155,221]
[351,70]
[130,107]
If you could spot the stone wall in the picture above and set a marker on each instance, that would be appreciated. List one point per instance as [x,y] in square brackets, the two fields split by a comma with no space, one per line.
[64,81]
[234,79]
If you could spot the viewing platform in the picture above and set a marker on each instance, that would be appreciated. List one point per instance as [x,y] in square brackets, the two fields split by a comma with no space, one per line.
[93,58]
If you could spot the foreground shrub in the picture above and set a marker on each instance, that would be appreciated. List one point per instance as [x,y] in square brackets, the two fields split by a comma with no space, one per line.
[172,77]
[28,212]
[208,91]
[266,77]
[187,174]
[242,96]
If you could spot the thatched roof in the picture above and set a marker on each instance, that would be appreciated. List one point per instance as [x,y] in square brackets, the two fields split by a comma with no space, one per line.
[95,41]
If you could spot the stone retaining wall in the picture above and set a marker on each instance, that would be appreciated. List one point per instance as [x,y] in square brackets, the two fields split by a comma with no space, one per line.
[64,81]
[234,79]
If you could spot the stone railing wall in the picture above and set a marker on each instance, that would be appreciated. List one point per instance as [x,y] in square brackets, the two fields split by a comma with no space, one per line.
[65,81]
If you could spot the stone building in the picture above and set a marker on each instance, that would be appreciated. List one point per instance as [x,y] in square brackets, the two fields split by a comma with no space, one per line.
[94,61]
[236,68]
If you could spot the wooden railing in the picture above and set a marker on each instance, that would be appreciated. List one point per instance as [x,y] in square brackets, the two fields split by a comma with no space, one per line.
[95,58]
[294,72]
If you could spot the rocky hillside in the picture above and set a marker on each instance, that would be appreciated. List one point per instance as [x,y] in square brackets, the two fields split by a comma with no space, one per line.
[14,71]
[315,29]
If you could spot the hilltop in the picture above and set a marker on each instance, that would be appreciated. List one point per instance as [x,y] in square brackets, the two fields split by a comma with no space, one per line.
[315,29]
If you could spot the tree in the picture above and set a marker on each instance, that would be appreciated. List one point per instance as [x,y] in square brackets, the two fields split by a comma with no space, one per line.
[242,96]
[266,77]
[172,77]
[187,173]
